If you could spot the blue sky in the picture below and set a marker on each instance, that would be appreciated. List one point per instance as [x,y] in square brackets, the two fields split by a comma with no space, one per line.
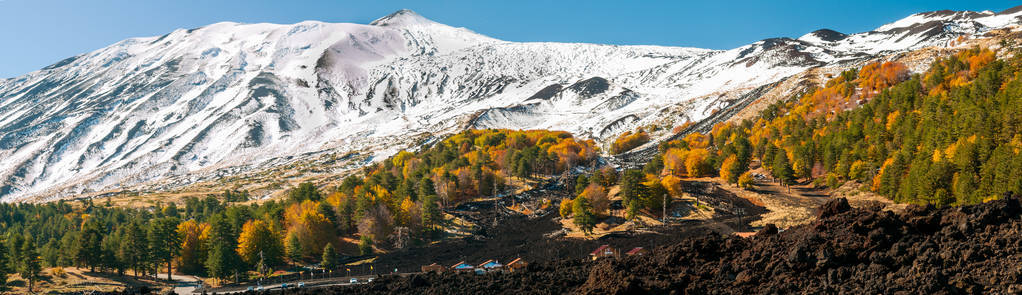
[36,33]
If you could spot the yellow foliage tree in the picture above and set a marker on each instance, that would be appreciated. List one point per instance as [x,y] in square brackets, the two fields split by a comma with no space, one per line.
[565,208]
[892,118]
[674,161]
[728,168]
[673,185]
[979,60]
[312,229]
[695,162]
[256,237]
[193,246]
[880,175]
[335,199]
[402,156]
[745,181]
[697,140]
[407,212]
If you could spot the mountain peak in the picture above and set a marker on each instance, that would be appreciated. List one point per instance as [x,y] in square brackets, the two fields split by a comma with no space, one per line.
[402,17]
[823,35]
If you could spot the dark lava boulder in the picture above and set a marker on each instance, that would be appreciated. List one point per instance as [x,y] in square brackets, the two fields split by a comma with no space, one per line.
[767,230]
[833,207]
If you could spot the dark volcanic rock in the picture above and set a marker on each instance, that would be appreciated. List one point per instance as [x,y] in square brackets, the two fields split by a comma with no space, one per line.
[833,207]
[829,35]
[966,250]
[590,87]
[768,230]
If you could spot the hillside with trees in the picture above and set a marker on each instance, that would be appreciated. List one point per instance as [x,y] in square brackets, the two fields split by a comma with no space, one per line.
[948,136]
[393,204]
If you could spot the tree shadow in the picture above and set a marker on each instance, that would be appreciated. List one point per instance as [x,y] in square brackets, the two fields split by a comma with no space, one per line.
[126,280]
[811,192]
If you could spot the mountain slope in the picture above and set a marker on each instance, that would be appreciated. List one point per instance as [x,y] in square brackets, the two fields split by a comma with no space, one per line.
[236,95]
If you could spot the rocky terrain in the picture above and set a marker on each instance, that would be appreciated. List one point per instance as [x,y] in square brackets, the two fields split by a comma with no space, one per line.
[964,250]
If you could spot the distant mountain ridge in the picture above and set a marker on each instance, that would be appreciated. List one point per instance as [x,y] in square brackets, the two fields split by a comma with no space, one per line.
[231,95]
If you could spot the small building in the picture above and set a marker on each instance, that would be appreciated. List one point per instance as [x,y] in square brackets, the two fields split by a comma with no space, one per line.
[603,251]
[516,265]
[433,268]
[637,251]
[462,266]
[490,265]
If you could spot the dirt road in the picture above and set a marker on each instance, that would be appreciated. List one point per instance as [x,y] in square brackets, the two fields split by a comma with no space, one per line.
[183,284]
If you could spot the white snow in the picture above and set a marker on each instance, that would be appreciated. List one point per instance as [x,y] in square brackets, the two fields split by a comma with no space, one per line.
[233,95]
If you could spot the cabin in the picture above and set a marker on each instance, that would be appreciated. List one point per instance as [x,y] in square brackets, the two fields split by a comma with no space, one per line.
[462,266]
[516,265]
[637,251]
[490,265]
[433,268]
[603,251]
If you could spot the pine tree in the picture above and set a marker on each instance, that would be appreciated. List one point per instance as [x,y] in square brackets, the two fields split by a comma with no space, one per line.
[327,211]
[68,248]
[365,245]
[304,191]
[522,168]
[171,211]
[583,212]
[656,196]
[164,241]
[743,151]
[631,185]
[29,267]
[134,248]
[109,254]
[782,168]
[14,245]
[294,248]
[50,253]
[330,257]
[90,243]
[431,215]
[426,187]
[769,155]
[581,183]
[222,260]
[5,260]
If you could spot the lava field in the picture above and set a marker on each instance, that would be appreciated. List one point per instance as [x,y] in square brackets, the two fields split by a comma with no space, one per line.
[955,250]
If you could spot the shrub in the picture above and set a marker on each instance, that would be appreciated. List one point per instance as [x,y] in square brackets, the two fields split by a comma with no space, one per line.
[745,181]
[565,209]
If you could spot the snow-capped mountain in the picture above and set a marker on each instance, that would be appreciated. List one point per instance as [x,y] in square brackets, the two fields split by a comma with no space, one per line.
[231,94]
